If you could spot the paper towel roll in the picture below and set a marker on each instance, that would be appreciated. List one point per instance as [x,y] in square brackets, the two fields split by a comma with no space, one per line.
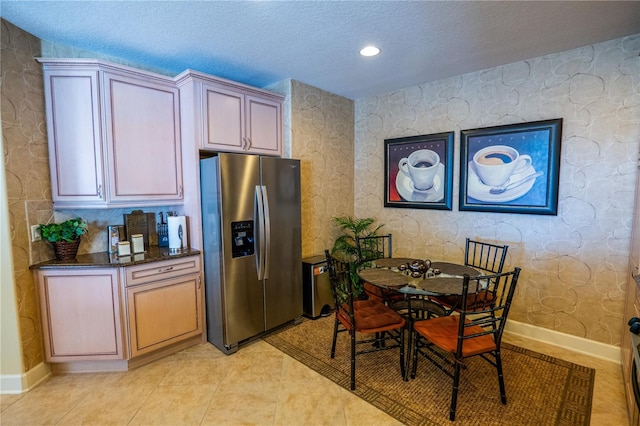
[177,233]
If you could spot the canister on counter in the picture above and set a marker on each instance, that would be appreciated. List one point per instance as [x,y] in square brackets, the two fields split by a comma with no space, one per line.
[124,248]
[137,243]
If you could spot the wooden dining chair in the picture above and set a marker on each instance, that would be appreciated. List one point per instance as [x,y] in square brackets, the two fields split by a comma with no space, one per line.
[372,248]
[449,340]
[486,257]
[374,321]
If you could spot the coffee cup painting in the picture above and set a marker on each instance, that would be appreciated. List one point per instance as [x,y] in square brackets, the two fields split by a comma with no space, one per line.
[419,171]
[421,167]
[512,169]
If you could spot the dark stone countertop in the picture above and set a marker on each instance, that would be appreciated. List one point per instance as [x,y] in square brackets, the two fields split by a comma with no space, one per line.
[111,260]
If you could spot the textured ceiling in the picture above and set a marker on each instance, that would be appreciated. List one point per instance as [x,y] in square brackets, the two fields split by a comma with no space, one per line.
[317,42]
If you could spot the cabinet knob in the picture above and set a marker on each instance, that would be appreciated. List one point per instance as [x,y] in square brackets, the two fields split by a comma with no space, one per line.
[100,191]
[167,269]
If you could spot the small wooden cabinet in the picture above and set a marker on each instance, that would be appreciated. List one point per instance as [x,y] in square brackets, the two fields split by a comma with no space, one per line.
[80,310]
[122,313]
[114,135]
[164,304]
[229,116]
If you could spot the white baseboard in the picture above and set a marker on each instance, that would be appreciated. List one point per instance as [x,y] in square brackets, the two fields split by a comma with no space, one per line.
[20,383]
[565,341]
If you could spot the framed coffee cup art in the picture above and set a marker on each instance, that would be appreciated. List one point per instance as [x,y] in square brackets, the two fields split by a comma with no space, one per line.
[511,169]
[419,171]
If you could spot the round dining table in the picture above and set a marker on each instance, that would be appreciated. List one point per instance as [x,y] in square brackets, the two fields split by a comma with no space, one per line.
[385,273]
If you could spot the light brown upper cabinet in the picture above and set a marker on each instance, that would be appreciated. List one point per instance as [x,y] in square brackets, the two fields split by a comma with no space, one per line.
[114,135]
[228,116]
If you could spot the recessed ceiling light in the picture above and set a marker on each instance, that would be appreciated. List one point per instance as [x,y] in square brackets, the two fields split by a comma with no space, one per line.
[369,51]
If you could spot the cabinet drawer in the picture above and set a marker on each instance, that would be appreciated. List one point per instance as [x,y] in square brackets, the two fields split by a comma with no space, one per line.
[149,272]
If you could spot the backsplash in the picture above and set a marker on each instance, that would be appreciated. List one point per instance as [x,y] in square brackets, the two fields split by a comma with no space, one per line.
[574,264]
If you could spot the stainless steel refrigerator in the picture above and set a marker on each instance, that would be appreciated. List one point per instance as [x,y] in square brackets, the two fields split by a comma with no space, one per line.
[251,245]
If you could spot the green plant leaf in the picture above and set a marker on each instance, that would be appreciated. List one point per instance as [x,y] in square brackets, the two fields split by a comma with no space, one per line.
[69,230]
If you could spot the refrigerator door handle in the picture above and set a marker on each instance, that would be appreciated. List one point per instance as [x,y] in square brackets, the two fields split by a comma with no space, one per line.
[258,218]
[267,232]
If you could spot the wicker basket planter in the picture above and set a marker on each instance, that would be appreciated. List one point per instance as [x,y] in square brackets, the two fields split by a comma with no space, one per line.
[65,250]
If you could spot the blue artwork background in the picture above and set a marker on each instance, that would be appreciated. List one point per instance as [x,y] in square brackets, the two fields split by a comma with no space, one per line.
[534,143]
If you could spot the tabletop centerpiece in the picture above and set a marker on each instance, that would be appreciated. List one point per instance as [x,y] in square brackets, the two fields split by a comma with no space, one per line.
[64,237]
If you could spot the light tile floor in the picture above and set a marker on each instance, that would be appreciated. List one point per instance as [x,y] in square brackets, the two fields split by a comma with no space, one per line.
[258,385]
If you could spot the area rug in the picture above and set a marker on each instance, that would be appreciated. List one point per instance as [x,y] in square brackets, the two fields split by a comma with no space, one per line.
[541,390]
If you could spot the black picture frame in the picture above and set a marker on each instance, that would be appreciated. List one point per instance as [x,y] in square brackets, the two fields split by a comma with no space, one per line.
[540,141]
[399,190]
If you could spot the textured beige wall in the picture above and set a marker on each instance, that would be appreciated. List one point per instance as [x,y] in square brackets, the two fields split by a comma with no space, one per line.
[574,264]
[26,170]
[322,138]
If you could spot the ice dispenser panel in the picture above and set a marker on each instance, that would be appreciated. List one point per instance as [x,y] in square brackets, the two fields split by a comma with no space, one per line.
[242,243]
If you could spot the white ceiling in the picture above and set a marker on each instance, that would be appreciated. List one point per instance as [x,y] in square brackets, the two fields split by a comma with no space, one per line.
[317,42]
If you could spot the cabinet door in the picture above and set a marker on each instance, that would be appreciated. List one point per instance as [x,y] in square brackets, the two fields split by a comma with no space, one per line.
[143,140]
[223,119]
[163,313]
[74,134]
[80,312]
[264,126]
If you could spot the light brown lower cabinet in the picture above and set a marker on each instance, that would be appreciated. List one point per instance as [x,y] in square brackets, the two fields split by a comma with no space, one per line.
[162,313]
[110,319]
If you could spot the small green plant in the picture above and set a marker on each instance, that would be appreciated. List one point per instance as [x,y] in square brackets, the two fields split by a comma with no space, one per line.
[69,230]
[345,246]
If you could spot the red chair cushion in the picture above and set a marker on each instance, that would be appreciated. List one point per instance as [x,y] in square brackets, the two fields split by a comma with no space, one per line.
[371,316]
[443,332]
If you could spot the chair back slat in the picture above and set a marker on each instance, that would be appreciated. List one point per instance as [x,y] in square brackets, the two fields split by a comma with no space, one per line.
[486,256]
[493,295]
[341,284]
[374,247]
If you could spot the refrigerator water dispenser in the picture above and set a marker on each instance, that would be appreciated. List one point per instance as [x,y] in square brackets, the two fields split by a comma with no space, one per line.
[242,238]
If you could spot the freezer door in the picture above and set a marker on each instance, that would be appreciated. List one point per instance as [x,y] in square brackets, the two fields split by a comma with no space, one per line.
[237,289]
[283,262]
[243,293]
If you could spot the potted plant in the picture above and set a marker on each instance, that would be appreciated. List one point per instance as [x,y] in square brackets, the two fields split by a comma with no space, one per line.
[65,237]
[345,246]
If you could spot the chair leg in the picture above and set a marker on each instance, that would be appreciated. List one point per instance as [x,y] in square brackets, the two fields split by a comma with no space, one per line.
[335,338]
[376,344]
[503,392]
[416,340]
[402,358]
[454,392]
[352,333]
